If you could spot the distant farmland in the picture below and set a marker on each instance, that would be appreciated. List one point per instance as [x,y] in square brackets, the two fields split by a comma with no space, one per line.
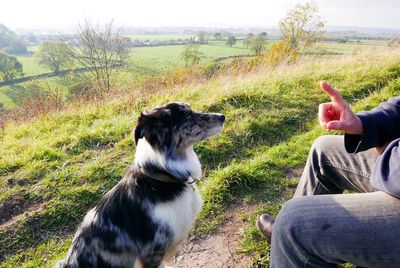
[156,60]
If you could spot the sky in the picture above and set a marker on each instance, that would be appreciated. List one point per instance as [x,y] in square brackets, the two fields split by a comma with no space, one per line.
[208,13]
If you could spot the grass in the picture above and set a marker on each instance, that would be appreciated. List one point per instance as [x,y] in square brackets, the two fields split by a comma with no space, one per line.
[158,60]
[12,96]
[30,66]
[150,61]
[293,154]
[145,61]
[161,37]
[60,165]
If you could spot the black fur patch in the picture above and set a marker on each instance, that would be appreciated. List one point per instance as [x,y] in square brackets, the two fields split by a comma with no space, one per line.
[157,126]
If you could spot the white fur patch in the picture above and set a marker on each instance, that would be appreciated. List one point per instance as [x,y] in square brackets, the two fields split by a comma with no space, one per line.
[180,213]
[146,153]
[90,217]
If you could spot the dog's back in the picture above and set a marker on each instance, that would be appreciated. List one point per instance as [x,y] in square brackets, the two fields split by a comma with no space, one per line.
[138,222]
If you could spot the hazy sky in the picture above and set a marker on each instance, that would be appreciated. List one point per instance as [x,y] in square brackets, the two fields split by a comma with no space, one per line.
[209,13]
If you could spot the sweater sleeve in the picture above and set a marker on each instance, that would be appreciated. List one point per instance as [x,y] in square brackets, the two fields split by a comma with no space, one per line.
[386,173]
[380,125]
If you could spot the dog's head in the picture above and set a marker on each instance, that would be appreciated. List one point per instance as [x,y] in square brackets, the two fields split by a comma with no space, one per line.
[176,125]
[168,134]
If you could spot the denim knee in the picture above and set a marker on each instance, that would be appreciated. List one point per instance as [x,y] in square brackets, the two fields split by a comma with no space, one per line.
[322,144]
[289,217]
[288,240]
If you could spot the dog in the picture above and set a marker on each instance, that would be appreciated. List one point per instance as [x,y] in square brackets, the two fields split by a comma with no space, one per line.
[142,219]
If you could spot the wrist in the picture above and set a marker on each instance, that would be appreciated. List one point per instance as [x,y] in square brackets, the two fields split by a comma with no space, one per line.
[358,126]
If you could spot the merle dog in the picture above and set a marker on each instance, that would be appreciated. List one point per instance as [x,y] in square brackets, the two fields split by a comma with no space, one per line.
[151,210]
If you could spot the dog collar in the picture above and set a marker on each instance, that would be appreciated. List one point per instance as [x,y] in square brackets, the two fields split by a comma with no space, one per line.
[165,177]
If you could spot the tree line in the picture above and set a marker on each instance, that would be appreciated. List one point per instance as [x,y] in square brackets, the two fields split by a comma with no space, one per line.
[100,49]
[300,28]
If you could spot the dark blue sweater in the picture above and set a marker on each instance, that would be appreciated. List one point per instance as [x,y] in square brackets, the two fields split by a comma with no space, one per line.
[380,126]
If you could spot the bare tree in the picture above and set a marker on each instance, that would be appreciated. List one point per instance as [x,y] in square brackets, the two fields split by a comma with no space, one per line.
[102,50]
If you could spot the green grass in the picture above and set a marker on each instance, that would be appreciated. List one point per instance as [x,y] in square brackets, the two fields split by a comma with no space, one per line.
[30,66]
[29,63]
[158,60]
[143,62]
[336,48]
[63,164]
[12,96]
[149,61]
[6,101]
[161,37]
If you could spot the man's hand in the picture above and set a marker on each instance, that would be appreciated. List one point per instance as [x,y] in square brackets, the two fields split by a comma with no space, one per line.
[337,115]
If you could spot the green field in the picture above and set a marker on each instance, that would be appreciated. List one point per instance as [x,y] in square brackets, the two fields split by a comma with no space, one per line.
[29,63]
[52,170]
[149,61]
[161,37]
[143,61]
[347,48]
[154,60]
[158,60]
[30,66]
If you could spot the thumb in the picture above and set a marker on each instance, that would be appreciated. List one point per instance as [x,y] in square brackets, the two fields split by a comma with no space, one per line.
[334,125]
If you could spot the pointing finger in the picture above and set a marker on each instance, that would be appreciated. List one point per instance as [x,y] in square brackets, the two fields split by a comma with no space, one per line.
[332,93]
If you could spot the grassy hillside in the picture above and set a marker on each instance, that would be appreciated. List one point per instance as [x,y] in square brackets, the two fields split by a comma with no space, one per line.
[143,61]
[54,169]
[154,61]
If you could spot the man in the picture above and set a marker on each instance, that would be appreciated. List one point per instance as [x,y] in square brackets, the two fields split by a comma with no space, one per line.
[320,227]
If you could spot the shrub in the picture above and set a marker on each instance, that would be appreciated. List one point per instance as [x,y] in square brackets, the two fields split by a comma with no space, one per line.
[41,98]
[10,67]
[211,70]
[191,55]
[283,52]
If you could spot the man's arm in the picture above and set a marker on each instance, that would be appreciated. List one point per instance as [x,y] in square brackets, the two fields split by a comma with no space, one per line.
[367,130]
[386,173]
[380,126]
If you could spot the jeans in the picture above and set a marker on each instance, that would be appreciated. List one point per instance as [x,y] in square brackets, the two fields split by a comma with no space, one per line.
[321,227]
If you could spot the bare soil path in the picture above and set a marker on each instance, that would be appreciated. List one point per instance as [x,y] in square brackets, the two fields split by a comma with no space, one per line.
[219,249]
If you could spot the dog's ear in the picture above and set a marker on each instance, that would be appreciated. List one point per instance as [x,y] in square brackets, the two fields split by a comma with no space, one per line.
[155,128]
[138,133]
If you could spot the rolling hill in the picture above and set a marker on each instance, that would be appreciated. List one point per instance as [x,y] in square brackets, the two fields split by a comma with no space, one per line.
[56,167]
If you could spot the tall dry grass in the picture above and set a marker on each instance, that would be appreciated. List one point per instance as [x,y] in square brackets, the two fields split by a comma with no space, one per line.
[42,103]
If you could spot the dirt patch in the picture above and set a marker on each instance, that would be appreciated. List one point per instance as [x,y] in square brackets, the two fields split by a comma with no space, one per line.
[14,207]
[293,173]
[220,249]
